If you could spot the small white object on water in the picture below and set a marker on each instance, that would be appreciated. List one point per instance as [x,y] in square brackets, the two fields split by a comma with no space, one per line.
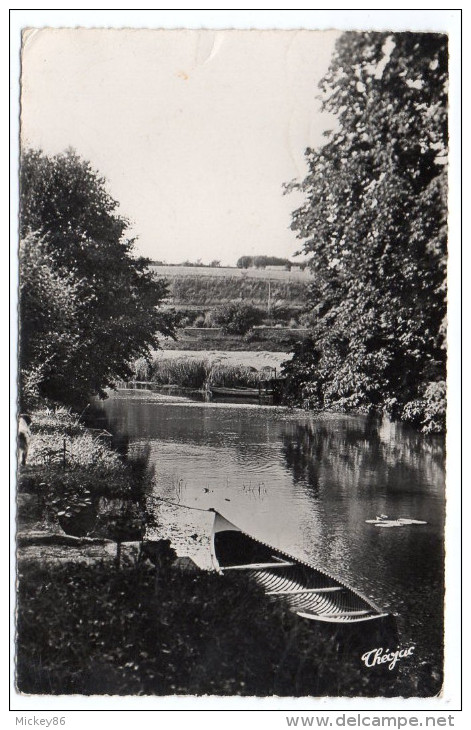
[389,523]
[384,521]
[406,521]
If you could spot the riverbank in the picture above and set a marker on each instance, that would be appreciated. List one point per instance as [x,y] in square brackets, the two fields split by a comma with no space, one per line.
[94,618]
[194,369]
[75,484]
[258,339]
[151,623]
[84,629]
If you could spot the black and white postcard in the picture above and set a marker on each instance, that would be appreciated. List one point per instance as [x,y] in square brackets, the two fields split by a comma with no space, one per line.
[232,364]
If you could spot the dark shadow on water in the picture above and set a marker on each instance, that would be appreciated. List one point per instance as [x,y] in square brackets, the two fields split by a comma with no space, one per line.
[350,450]
[136,455]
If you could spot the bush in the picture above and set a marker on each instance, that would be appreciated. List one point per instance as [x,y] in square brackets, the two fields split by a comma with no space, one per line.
[429,412]
[236,317]
[77,490]
[281,313]
[180,371]
[234,376]
[253,336]
[186,316]
[142,369]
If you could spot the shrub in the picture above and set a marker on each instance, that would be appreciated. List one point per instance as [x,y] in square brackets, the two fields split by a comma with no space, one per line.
[306,319]
[236,317]
[185,316]
[428,412]
[180,371]
[233,376]
[88,306]
[120,520]
[142,369]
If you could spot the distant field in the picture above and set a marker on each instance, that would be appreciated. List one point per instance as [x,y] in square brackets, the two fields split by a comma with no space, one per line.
[206,287]
[278,342]
[174,271]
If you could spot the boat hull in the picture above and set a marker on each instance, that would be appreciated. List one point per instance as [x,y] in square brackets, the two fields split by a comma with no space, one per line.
[309,592]
[234,392]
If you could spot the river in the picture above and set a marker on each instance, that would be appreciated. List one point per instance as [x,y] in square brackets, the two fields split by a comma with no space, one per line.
[307,484]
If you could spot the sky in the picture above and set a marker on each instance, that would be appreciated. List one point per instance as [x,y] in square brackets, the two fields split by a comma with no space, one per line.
[195,131]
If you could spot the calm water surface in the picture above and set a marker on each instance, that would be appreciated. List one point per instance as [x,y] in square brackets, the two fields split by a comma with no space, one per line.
[304,483]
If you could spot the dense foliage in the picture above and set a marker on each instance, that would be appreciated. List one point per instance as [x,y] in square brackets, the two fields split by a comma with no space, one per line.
[88,308]
[236,317]
[245,262]
[198,372]
[374,224]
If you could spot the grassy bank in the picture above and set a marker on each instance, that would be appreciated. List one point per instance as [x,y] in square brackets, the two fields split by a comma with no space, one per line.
[186,633]
[196,373]
[82,485]
[190,370]
[145,626]
[254,341]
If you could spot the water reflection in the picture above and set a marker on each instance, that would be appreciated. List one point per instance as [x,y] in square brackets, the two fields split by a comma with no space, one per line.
[355,453]
[305,484]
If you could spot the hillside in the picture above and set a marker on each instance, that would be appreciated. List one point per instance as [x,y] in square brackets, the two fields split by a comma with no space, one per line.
[169,271]
[197,292]
[205,287]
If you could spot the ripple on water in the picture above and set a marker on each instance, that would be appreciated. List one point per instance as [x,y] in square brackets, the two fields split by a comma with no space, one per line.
[306,484]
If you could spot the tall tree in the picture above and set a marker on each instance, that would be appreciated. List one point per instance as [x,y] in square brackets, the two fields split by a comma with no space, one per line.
[107,312]
[374,223]
[49,317]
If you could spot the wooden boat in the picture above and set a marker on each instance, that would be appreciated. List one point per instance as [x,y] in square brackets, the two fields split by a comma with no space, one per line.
[234,392]
[309,592]
[268,392]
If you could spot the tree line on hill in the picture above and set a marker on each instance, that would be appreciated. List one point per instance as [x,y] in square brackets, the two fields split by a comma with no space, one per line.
[244,262]
[215,264]
[260,262]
